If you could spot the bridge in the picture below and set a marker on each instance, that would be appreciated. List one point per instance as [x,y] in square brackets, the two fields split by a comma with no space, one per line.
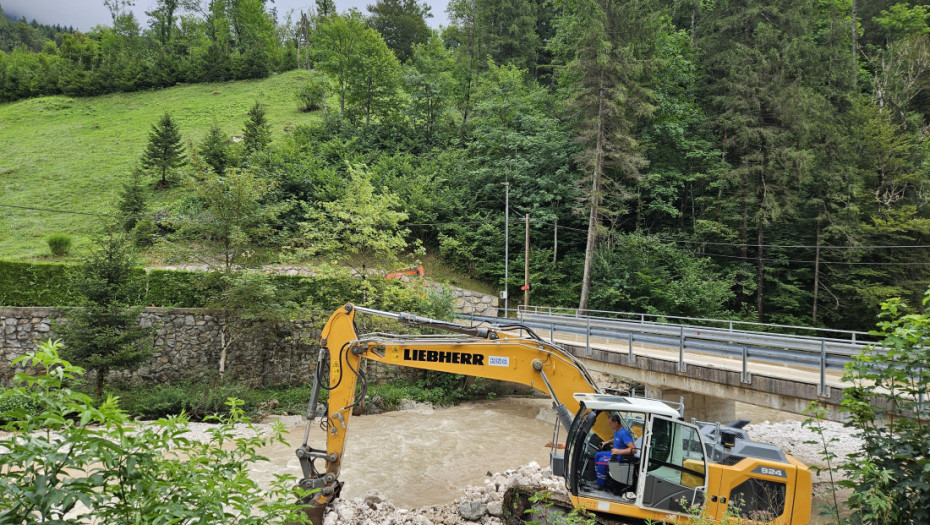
[712,364]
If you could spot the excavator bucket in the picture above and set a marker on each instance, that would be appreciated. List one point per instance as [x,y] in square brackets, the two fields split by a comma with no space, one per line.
[314,511]
[313,508]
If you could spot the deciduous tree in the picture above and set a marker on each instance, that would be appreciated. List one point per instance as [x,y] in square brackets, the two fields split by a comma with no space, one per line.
[402,23]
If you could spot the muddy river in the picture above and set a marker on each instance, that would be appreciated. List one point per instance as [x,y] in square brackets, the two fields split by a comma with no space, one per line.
[426,456]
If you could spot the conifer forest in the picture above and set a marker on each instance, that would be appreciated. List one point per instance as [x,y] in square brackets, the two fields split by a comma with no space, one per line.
[763,160]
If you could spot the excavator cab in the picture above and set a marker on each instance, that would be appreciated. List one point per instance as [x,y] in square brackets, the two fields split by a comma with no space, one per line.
[668,474]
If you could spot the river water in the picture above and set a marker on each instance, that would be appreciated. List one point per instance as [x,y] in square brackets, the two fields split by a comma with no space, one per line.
[427,456]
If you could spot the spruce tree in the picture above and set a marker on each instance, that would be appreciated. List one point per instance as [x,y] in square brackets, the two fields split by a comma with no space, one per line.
[164,150]
[607,67]
[215,149]
[105,333]
[131,203]
[257,133]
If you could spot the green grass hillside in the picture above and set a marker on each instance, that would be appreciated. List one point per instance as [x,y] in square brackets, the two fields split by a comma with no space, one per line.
[73,154]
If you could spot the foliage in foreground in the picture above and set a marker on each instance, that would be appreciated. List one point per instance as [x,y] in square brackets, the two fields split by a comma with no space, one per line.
[69,455]
[890,382]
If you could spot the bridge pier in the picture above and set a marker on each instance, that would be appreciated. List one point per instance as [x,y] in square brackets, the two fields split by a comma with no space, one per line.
[698,406]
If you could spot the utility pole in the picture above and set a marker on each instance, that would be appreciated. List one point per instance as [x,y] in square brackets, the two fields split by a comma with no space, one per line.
[526,265]
[506,242]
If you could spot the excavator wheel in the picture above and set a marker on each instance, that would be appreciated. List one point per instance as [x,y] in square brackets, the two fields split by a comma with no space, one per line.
[519,508]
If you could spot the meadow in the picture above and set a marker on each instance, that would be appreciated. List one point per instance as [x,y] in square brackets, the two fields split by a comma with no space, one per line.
[73,154]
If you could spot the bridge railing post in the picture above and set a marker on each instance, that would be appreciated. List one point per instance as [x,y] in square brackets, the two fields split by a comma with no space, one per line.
[681,349]
[632,356]
[822,387]
[587,338]
[745,377]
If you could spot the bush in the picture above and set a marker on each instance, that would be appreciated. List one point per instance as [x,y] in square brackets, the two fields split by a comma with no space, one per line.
[51,284]
[310,95]
[169,288]
[40,284]
[59,244]
[120,471]
[885,399]
[203,399]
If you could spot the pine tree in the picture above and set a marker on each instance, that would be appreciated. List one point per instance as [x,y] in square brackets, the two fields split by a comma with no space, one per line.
[215,149]
[131,203]
[164,150]
[257,133]
[607,63]
[105,334]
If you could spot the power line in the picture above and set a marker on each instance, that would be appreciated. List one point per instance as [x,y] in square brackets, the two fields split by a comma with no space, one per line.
[54,211]
[822,246]
[753,259]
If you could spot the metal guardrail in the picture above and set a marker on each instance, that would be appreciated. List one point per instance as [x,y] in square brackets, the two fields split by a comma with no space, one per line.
[850,335]
[819,353]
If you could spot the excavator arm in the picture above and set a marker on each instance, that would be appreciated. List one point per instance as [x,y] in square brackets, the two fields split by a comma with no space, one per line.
[493,353]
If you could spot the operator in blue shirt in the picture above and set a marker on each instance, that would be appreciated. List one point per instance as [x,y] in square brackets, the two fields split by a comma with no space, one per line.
[623,446]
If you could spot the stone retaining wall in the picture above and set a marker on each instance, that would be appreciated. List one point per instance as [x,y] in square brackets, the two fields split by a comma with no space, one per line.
[187,345]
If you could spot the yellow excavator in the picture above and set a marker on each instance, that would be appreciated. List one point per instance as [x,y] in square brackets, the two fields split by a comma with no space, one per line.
[679,466]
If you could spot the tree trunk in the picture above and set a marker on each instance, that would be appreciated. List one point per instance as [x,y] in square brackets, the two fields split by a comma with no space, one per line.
[855,36]
[595,201]
[743,250]
[101,376]
[555,240]
[222,352]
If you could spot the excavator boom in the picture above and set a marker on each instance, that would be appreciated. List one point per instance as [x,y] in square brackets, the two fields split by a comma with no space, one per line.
[477,351]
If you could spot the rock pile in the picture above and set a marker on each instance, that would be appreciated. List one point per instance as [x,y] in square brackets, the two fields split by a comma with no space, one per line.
[483,504]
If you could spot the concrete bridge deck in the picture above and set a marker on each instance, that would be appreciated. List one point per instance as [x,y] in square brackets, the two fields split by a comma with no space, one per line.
[711,384]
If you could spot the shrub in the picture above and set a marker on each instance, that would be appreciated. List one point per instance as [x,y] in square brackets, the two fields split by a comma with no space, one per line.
[886,404]
[39,284]
[310,96]
[67,451]
[59,244]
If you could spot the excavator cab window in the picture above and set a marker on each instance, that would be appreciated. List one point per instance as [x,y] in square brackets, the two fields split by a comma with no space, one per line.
[577,450]
[676,468]
[584,443]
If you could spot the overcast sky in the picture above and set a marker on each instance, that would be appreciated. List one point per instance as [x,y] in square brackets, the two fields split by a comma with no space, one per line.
[85,14]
